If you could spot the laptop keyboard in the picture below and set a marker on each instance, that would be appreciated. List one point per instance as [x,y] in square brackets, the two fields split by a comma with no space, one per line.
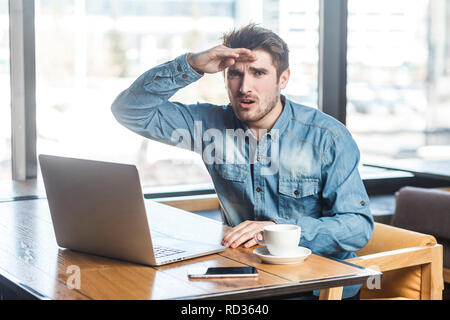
[161,251]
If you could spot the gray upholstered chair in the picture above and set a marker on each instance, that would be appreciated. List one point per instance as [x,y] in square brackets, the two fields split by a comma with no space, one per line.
[426,211]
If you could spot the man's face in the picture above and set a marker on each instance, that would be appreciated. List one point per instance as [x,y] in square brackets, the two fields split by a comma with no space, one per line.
[254,88]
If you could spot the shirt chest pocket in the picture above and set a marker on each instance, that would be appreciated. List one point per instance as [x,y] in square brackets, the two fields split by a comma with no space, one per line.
[232,172]
[298,197]
[232,182]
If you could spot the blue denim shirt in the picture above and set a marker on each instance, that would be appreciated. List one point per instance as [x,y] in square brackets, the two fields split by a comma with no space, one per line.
[304,171]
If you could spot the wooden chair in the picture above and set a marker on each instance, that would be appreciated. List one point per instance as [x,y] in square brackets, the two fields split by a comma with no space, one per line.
[411,262]
[427,211]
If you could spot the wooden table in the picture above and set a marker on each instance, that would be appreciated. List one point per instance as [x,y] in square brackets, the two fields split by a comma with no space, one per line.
[33,266]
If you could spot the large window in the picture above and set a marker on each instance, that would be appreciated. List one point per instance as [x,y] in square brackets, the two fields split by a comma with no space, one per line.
[5,92]
[399,78]
[87,52]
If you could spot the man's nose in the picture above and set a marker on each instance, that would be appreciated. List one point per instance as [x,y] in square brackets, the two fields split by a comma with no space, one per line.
[246,85]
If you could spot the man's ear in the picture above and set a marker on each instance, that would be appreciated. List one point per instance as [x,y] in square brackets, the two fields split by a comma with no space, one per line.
[284,78]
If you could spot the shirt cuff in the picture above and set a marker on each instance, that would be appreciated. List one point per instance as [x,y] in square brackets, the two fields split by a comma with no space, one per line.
[185,71]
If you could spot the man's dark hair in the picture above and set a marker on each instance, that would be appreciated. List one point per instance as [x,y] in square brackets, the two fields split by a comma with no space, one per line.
[254,37]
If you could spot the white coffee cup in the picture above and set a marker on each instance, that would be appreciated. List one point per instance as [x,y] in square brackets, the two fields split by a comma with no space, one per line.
[280,239]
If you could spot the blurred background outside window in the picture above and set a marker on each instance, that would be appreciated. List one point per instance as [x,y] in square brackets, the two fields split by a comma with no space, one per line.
[398,86]
[5,93]
[87,52]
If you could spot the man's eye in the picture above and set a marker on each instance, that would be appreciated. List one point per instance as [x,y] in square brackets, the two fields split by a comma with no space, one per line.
[259,73]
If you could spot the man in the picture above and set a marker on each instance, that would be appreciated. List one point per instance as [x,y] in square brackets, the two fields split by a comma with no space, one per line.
[294,164]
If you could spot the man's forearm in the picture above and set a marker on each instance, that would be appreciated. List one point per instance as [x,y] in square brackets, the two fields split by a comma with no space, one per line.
[153,88]
[145,106]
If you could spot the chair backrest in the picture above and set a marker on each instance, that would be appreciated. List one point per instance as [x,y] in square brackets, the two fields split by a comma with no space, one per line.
[427,211]
[423,210]
[387,238]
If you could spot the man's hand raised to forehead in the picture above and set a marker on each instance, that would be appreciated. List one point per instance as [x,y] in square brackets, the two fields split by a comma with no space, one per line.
[218,58]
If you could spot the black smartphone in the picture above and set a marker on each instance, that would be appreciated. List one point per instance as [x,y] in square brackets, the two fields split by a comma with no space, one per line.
[222,272]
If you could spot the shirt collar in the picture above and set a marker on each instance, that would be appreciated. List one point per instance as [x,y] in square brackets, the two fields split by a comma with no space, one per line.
[283,120]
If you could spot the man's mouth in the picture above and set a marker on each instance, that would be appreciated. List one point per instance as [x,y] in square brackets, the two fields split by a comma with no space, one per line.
[246,102]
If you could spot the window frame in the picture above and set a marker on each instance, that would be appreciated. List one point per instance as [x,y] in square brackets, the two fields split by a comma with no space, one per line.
[23,89]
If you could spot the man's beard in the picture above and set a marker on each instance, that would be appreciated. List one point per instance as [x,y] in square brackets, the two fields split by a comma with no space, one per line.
[261,113]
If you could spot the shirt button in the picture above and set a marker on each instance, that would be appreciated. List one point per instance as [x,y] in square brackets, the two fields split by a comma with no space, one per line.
[184,76]
[296,192]
[363,203]
[258,189]
[179,68]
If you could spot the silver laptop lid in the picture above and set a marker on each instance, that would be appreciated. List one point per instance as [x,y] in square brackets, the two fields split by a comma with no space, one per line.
[97,207]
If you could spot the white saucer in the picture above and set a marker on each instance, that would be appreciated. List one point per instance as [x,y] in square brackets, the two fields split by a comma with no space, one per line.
[301,254]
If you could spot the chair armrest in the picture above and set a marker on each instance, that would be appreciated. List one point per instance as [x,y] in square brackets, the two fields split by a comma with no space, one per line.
[397,259]
[429,258]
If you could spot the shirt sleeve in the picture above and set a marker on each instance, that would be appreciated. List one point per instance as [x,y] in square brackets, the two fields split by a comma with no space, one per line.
[346,224]
[145,107]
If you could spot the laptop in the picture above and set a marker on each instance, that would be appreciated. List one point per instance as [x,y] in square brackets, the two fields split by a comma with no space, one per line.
[98,208]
